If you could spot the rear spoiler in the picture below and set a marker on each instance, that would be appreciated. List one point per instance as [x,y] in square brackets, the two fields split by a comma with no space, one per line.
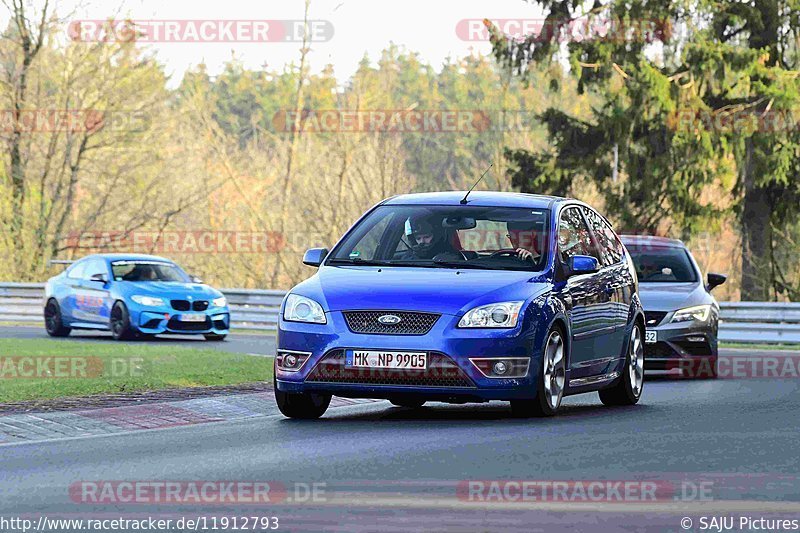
[59,262]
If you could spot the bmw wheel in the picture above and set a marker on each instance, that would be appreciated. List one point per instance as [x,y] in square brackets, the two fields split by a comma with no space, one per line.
[304,405]
[120,323]
[550,383]
[628,389]
[52,320]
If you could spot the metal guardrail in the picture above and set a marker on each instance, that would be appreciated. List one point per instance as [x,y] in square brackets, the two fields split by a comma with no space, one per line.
[745,322]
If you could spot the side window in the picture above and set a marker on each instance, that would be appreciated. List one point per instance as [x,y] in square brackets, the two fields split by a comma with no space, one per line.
[95,266]
[76,270]
[367,246]
[573,235]
[610,249]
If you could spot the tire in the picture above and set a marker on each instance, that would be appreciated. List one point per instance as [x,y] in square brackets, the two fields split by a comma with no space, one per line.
[120,322]
[629,388]
[52,320]
[214,337]
[303,405]
[550,382]
[409,403]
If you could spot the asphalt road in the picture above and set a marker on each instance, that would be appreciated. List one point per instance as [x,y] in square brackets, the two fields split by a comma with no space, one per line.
[392,469]
[256,344]
[714,448]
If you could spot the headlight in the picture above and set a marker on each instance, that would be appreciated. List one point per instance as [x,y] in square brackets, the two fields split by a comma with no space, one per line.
[219,302]
[499,315]
[149,301]
[302,309]
[698,312]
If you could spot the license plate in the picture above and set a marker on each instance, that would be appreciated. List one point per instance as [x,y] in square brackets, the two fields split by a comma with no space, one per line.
[192,317]
[383,359]
[650,337]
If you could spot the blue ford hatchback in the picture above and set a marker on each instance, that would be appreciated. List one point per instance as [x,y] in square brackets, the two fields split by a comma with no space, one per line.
[438,297]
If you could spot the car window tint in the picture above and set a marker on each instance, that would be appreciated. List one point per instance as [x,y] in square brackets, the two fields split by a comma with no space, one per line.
[94,266]
[662,264]
[76,270]
[610,249]
[573,235]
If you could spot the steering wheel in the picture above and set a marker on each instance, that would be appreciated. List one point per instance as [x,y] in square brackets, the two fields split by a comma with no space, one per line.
[453,252]
[509,252]
[506,252]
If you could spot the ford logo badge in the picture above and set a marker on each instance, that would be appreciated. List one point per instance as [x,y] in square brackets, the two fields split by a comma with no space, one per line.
[389,319]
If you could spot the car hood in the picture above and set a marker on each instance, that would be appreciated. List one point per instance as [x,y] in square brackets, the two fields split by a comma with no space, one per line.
[438,290]
[171,289]
[664,296]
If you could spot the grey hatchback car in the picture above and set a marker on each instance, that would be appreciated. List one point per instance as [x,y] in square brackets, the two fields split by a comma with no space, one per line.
[681,315]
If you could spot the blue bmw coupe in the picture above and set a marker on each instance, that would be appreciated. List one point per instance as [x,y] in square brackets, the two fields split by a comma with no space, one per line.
[453,298]
[133,295]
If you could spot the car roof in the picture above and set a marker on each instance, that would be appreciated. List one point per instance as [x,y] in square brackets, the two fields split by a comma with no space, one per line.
[651,240]
[127,257]
[476,198]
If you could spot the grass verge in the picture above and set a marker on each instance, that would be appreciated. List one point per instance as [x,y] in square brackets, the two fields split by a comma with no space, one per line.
[38,369]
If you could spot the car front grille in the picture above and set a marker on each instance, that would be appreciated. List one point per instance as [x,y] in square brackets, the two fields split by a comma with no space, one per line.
[411,323]
[441,372]
[185,305]
[654,318]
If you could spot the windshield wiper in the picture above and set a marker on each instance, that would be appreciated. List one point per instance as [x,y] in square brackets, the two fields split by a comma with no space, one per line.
[458,264]
[362,262]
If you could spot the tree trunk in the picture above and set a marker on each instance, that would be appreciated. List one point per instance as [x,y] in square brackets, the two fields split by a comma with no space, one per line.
[756,233]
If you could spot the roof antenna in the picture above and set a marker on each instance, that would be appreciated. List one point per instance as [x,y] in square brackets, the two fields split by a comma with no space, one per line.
[464,200]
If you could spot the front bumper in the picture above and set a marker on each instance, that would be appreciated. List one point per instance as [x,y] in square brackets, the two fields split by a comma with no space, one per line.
[680,341]
[156,321]
[450,375]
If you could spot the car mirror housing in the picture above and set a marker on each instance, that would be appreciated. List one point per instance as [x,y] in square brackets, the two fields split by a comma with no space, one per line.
[715,280]
[315,256]
[100,278]
[195,279]
[582,264]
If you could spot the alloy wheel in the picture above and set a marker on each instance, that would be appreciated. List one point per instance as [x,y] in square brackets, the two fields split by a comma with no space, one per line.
[554,370]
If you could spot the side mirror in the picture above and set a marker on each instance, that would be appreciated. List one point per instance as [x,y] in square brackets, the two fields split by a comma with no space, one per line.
[99,278]
[582,264]
[195,279]
[715,280]
[315,256]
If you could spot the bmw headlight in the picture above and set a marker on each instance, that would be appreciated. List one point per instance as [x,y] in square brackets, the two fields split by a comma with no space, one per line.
[302,309]
[219,302]
[698,312]
[499,315]
[147,301]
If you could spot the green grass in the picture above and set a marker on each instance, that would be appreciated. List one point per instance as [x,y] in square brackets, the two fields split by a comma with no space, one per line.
[108,367]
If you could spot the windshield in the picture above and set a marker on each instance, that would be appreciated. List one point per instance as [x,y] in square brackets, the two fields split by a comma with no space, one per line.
[662,264]
[494,238]
[147,271]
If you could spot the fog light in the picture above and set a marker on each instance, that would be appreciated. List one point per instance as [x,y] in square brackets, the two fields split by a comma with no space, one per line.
[500,367]
[695,339]
[289,360]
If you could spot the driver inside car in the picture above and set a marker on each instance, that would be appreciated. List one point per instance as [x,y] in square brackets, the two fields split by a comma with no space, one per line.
[423,240]
[523,240]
